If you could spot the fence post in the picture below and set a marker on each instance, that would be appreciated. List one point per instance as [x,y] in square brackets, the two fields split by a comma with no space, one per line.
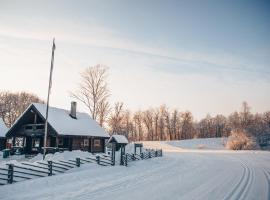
[122,160]
[113,154]
[98,159]
[160,152]
[10,173]
[50,167]
[133,156]
[149,154]
[142,156]
[126,160]
[156,153]
[78,162]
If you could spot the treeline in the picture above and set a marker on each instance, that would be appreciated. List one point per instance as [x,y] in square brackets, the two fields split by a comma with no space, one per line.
[165,124]
[160,123]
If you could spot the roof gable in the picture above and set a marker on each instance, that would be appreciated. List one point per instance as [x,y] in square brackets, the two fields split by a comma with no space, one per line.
[61,121]
[121,139]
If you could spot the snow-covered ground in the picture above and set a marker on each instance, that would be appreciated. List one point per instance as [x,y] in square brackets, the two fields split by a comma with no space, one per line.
[179,174]
[200,143]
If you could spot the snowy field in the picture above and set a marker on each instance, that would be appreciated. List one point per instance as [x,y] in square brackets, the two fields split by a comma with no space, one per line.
[200,143]
[180,174]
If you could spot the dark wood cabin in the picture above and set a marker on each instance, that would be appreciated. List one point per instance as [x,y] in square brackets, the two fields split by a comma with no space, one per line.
[3,131]
[66,130]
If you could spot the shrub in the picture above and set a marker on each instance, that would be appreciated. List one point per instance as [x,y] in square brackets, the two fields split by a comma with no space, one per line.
[240,140]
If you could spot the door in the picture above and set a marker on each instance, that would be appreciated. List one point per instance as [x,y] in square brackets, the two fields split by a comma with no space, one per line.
[28,144]
[67,143]
[53,142]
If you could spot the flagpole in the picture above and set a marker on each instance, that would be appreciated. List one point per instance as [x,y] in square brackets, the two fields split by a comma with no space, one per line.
[48,101]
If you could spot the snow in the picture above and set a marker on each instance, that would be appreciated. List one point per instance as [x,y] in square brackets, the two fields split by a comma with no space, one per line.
[3,128]
[60,120]
[200,143]
[180,174]
[119,139]
[66,155]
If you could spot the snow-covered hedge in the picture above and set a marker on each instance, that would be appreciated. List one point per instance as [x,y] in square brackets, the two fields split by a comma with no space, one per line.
[240,140]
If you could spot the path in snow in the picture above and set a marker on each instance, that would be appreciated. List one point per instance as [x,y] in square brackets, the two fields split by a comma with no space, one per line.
[180,174]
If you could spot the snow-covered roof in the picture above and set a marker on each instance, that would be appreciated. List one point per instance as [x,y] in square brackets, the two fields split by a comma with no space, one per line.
[63,124]
[121,139]
[3,128]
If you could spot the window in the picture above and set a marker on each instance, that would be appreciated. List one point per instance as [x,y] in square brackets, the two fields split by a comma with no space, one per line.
[85,142]
[9,141]
[96,143]
[19,141]
[36,142]
[40,127]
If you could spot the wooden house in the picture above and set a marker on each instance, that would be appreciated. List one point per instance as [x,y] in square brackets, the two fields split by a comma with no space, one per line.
[3,131]
[66,129]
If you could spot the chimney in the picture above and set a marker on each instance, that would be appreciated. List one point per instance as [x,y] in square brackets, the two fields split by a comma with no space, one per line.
[73,109]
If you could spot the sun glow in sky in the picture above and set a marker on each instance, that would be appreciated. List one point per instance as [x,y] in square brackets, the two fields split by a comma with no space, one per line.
[201,56]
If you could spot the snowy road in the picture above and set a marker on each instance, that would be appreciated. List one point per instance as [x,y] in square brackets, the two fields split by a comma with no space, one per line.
[180,174]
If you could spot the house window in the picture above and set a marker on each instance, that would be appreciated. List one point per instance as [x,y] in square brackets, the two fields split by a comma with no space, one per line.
[9,141]
[96,143]
[36,142]
[85,142]
[40,127]
[19,141]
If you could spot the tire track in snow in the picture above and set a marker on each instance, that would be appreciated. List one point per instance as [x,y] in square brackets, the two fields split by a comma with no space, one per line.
[125,182]
[249,182]
[267,176]
[242,187]
[238,184]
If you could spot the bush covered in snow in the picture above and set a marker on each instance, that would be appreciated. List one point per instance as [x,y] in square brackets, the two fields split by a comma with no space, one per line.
[241,140]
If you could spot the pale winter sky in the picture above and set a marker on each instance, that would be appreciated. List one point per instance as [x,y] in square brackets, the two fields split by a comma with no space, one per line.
[201,56]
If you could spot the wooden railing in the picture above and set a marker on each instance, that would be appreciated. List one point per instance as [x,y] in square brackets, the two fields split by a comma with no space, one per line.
[149,153]
[27,170]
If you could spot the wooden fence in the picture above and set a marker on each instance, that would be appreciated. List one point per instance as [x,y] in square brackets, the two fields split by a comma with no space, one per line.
[149,153]
[26,170]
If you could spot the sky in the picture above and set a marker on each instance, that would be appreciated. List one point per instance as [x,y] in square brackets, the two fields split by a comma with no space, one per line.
[206,57]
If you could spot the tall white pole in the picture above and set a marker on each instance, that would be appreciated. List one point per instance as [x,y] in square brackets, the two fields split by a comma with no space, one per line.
[48,101]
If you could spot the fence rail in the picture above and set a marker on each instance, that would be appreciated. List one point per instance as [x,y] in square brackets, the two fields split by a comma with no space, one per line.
[25,171]
[149,153]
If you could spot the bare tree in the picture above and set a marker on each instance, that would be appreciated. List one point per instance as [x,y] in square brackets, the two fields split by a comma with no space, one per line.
[174,120]
[234,121]
[266,118]
[245,115]
[128,127]
[187,125]
[155,121]
[137,118]
[148,123]
[220,126]
[12,105]
[93,92]
[162,124]
[104,109]
[116,117]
